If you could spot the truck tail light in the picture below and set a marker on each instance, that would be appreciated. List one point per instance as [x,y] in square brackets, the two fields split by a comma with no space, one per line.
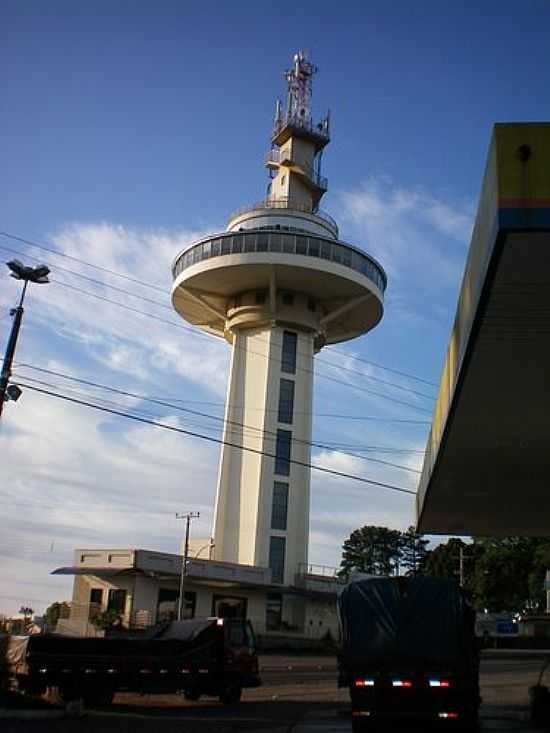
[364,682]
[401,683]
[448,715]
[439,683]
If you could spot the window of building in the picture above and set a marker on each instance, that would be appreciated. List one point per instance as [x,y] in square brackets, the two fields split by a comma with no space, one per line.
[96,596]
[311,305]
[273,611]
[279,505]
[282,452]
[286,401]
[262,241]
[229,607]
[288,357]
[277,558]
[288,299]
[167,604]
[117,600]
[260,297]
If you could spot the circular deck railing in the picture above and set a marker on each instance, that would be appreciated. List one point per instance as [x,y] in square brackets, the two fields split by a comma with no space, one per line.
[262,240]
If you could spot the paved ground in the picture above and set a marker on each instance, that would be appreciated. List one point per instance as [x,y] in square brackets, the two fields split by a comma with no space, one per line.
[299,695]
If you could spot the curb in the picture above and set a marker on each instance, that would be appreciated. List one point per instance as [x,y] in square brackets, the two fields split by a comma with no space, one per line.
[6,714]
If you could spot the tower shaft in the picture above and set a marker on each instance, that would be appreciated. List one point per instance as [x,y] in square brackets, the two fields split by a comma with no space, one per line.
[262,505]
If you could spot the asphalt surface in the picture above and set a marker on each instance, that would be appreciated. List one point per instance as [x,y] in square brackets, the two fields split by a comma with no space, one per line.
[299,695]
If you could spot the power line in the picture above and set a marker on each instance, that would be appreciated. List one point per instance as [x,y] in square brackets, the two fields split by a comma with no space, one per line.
[324,415]
[219,441]
[158,288]
[197,413]
[350,385]
[93,280]
[60,253]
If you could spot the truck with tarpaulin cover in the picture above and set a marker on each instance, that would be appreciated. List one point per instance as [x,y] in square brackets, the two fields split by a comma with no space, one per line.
[408,651]
[195,657]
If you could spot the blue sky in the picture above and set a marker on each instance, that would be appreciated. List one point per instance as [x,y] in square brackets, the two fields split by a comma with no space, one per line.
[131,127]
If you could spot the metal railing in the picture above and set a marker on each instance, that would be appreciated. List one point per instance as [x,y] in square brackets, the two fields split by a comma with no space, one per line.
[319,129]
[275,156]
[286,203]
[288,243]
[326,571]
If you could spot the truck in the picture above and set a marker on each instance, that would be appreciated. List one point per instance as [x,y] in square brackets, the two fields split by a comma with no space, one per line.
[408,651]
[212,656]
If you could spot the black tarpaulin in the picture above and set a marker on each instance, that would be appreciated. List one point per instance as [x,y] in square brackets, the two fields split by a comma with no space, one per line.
[408,619]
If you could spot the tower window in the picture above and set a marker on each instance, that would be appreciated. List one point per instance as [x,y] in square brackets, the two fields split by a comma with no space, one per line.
[311,304]
[288,356]
[288,299]
[279,506]
[282,452]
[286,401]
[277,558]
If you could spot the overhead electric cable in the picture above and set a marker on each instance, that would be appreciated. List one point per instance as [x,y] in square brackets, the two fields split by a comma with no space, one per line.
[342,382]
[197,413]
[158,288]
[60,253]
[138,296]
[172,428]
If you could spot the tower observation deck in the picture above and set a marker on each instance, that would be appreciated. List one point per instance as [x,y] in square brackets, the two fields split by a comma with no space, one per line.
[278,285]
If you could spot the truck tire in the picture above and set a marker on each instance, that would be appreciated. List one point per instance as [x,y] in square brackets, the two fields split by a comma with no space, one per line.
[192,694]
[98,697]
[68,693]
[360,724]
[231,693]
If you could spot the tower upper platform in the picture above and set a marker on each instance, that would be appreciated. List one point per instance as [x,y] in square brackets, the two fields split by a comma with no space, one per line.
[280,262]
[341,286]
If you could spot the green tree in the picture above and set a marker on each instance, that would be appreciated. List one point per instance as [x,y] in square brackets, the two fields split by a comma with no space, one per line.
[56,611]
[414,551]
[506,572]
[373,550]
[107,620]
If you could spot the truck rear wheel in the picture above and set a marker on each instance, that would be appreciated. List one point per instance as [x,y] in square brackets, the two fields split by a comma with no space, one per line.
[360,724]
[231,693]
[99,696]
[192,694]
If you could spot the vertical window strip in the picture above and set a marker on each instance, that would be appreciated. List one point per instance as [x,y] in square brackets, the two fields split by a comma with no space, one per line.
[286,401]
[279,506]
[277,558]
[288,356]
[282,452]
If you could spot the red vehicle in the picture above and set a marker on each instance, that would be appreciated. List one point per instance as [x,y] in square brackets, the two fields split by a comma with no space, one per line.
[212,656]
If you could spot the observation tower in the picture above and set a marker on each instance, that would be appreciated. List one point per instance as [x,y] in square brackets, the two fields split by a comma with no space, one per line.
[278,285]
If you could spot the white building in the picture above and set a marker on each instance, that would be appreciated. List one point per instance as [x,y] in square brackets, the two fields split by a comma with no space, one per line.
[278,285]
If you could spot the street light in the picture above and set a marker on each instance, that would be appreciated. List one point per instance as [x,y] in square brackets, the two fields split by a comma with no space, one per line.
[38,275]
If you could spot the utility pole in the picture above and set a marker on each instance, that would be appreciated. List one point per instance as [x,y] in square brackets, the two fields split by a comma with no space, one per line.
[37,275]
[188,516]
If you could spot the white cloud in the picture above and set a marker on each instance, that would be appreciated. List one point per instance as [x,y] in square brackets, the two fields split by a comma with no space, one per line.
[92,480]
[72,476]
[418,237]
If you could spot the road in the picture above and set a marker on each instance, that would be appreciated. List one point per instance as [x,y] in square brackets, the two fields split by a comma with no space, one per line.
[299,694]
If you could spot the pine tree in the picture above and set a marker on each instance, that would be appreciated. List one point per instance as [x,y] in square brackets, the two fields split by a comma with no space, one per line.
[414,550]
[373,550]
